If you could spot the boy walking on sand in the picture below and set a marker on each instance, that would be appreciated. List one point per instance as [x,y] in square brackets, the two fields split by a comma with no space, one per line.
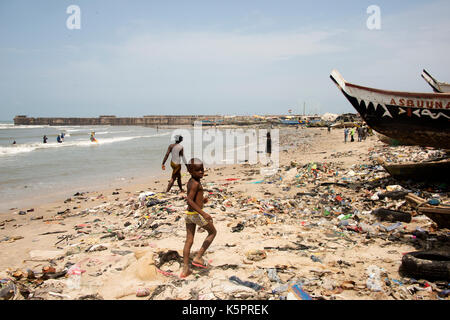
[196,216]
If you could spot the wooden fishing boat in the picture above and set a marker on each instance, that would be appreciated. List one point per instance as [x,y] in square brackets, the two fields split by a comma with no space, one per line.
[420,171]
[440,87]
[421,119]
[440,215]
[388,141]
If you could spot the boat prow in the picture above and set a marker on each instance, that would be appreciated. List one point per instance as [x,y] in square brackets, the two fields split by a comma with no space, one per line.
[438,87]
[412,118]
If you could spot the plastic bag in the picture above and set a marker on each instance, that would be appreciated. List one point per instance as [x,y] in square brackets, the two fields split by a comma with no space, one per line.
[374,282]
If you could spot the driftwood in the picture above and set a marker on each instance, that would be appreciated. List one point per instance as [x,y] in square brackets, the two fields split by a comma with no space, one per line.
[418,201]
[52,232]
[439,214]
[390,215]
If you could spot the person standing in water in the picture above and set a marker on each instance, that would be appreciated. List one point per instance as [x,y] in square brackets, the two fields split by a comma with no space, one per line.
[44,139]
[58,138]
[176,150]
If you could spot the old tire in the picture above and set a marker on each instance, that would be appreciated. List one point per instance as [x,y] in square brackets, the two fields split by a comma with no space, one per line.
[390,215]
[429,265]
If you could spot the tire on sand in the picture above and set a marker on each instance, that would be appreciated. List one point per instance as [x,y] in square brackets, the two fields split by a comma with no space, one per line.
[429,265]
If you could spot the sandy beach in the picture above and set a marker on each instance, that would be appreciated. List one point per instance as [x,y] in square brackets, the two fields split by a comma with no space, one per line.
[272,230]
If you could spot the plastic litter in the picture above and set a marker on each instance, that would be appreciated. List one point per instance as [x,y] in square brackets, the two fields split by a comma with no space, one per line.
[296,293]
[394,226]
[74,277]
[374,282]
[144,195]
[272,274]
[249,284]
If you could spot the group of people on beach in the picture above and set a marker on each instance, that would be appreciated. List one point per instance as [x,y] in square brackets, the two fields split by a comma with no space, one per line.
[361,131]
[194,215]
[60,138]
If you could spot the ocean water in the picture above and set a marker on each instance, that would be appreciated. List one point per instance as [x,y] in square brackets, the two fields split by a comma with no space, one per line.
[31,170]
[34,172]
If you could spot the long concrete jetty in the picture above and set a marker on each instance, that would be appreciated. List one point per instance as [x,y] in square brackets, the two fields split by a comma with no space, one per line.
[113,120]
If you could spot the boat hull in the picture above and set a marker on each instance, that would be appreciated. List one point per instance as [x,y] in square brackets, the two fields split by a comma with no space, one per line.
[411,118]
[423,171]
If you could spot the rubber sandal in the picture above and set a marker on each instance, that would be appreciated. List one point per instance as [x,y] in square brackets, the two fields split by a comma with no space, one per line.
[204,266]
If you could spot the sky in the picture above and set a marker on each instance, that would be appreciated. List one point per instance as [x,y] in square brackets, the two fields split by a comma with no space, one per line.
[135,58]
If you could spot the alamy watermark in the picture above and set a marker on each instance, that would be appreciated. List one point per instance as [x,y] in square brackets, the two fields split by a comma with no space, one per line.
[230,146]
[73,22]
[374,20]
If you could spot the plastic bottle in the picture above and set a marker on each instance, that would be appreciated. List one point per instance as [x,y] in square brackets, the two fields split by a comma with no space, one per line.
[394,226]
[74,279]
[344,217]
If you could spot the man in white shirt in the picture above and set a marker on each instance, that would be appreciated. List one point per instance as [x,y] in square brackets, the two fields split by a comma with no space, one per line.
[176,150]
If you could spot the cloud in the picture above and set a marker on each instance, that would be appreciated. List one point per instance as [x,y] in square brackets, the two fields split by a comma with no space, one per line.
[227,47]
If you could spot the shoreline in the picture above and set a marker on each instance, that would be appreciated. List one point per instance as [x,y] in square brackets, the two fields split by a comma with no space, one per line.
[266,217]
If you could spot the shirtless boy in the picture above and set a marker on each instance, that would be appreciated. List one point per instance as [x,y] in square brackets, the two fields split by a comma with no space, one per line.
[196,216]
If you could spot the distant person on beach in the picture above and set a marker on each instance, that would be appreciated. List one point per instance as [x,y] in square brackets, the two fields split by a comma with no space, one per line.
[58,138]
[92,138]
[14,142]
[359,133]
[196,216]
[345,134]
[269,145]
[44,139]
[176,150]
[62,136]
[352,134]
[329,128]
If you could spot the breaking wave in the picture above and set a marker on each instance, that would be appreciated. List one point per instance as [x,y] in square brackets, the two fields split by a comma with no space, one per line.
[29,147]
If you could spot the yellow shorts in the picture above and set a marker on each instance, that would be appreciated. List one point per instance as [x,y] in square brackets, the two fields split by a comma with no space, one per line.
[175,167]
[195,218]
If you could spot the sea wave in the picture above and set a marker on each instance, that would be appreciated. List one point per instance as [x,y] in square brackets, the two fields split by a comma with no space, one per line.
[13,126]
[29,147]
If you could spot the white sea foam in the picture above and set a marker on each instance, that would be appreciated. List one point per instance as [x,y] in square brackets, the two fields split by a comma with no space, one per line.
[29,147]
[12,126]
[7,151]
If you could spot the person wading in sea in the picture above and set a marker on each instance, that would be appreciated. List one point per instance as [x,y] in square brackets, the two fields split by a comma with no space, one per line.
[176,150]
